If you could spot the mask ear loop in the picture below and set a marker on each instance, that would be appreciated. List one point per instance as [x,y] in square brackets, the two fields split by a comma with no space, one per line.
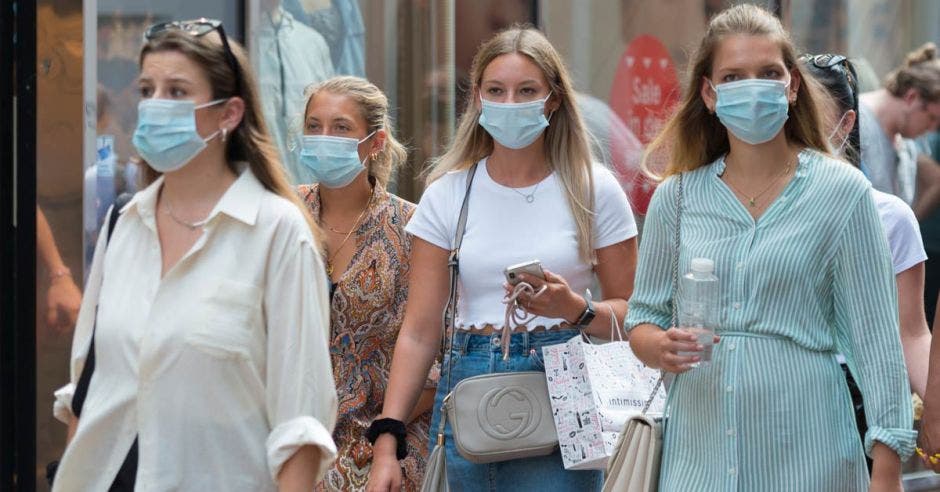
[838,150]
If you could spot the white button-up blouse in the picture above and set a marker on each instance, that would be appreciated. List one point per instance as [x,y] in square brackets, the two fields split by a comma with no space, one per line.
[221,367]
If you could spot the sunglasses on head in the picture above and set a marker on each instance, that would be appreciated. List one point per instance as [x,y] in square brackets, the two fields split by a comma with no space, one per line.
[199,27]
[828,61]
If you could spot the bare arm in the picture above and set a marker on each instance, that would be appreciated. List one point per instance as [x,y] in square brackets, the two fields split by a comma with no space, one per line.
[300,472]
[915,336]
[64,298]
[45,244]
[928,187]
[418,343]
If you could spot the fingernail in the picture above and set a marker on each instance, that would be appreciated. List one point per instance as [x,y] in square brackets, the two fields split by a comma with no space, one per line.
[699,348]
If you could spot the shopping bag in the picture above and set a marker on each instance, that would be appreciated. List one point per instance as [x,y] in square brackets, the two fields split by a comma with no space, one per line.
[594,389]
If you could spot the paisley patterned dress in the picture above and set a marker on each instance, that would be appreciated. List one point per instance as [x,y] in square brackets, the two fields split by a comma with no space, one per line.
[366,313]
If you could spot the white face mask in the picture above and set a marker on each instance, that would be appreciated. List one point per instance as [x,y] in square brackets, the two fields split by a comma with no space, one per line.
[838,149]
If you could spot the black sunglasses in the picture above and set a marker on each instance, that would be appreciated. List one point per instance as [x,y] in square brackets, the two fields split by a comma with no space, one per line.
[199,27]
[826,60]
[829,60]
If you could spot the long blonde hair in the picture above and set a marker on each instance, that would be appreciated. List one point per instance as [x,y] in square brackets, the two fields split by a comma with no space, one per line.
[566,141]
[250,140]
[693,137]
[920,71]
[373,105]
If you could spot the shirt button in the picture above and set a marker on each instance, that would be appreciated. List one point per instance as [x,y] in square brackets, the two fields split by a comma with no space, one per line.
[737,305]
[731,346]
[729,388]
[740,265]
[732,471]
[730,432]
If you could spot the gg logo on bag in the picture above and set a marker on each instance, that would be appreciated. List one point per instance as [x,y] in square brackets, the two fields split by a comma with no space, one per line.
[509,413]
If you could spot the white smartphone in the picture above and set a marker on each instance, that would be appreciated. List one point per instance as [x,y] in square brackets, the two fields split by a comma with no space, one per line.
[533,268]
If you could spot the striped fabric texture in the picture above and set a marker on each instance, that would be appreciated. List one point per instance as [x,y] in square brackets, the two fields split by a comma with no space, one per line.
[810,277]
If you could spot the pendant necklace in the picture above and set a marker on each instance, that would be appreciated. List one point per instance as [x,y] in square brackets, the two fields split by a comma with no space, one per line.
[752,200]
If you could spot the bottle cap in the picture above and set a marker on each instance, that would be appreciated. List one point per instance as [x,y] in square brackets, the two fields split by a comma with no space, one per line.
[703,265]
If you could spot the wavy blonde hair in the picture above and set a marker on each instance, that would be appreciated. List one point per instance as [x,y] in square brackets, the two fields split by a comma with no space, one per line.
[373,105]
[693,137]
[566,140]
[250,140]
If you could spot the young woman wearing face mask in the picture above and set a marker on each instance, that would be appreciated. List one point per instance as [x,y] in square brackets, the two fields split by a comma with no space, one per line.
[349,151]
[208,305]
[837,76]
[535,194]
[804,272]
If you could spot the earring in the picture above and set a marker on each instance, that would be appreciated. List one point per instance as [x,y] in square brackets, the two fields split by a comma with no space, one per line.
[224,133]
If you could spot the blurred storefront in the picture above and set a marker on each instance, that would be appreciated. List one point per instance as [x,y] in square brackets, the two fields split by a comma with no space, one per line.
[73,68]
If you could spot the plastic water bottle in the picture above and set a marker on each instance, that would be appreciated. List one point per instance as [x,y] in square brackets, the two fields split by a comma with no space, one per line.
[698,306]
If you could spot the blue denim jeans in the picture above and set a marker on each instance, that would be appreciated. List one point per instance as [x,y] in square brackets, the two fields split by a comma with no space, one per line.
[473,355]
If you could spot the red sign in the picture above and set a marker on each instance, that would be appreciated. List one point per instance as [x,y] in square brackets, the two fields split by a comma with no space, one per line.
[644,91]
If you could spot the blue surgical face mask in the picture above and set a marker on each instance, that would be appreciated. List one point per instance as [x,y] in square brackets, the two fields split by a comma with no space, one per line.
[754,110]
[166,135]
[514,125]
[332,161]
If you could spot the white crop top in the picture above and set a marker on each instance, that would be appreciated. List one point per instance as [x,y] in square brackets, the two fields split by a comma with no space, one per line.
[503,229]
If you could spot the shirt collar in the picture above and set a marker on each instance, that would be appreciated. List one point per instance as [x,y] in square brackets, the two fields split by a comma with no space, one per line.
[718,167]
[241,201]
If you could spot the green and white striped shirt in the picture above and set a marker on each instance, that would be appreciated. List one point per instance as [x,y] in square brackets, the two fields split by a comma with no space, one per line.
[810,277]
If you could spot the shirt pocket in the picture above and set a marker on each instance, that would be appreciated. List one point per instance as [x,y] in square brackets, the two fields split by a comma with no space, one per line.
[232,314]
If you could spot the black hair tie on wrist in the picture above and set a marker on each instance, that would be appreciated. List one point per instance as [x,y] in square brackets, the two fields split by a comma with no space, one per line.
[393,427]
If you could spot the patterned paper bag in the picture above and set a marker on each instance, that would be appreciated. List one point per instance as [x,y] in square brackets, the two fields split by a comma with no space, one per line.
[593,389]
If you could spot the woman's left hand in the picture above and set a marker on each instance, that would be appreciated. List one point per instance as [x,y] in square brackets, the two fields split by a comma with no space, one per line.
[930,440]
[556,301]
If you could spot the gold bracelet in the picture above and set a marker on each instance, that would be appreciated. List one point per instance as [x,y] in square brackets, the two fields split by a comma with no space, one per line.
[933,459]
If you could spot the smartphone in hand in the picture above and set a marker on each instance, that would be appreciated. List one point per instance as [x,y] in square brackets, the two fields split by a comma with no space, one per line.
[533,268]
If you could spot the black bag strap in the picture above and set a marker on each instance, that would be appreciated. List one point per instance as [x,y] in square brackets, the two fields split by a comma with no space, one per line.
[81,388]
[453,264]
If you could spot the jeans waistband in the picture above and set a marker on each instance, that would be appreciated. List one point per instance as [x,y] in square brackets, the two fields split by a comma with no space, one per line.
[520,343]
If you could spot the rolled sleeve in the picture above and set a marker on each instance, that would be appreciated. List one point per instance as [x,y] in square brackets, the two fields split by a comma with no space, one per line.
[651,301]
[902,441]
[290,436]
[866,319]
[300,390]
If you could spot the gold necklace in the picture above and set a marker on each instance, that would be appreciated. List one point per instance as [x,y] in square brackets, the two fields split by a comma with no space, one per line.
[330,258]
[752,200]
[192,226]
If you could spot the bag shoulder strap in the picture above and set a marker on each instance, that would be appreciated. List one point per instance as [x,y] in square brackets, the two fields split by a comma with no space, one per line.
[675,280]
[453,265]
[81,388]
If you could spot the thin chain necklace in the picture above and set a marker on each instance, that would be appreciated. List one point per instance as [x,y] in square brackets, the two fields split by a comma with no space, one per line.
[529,197]
[191,225]
[752,200]
[330,258]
